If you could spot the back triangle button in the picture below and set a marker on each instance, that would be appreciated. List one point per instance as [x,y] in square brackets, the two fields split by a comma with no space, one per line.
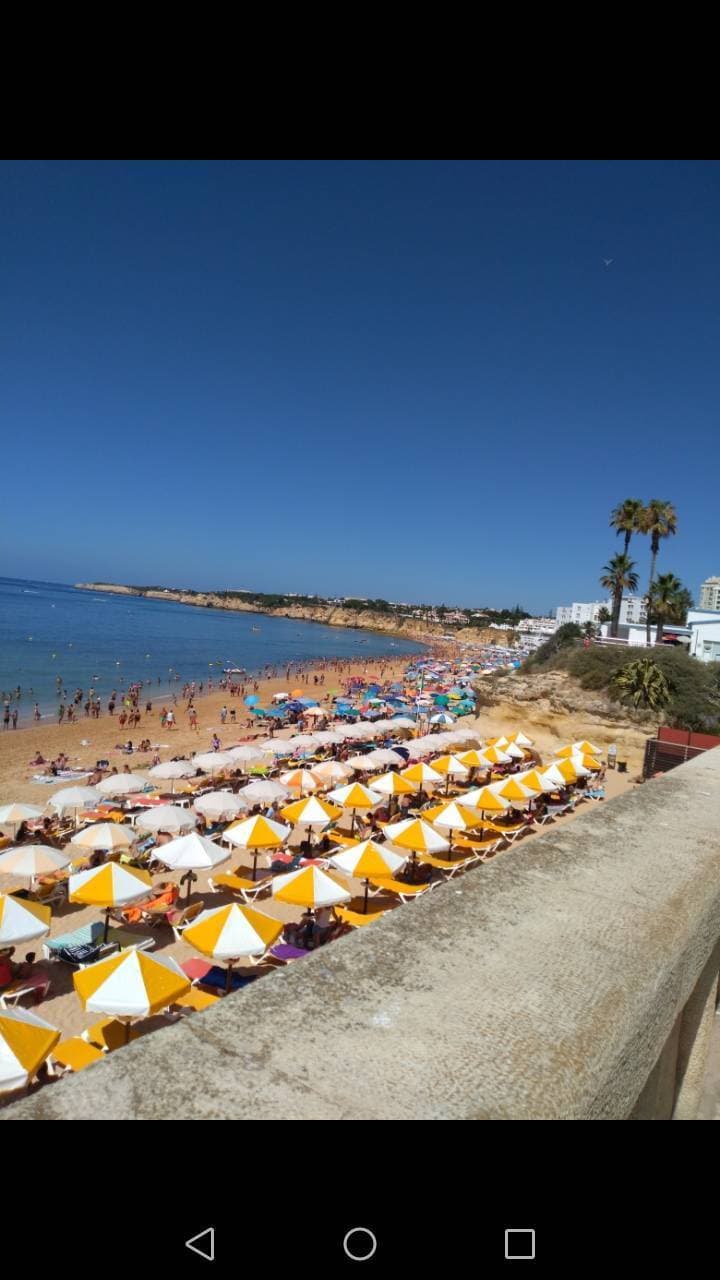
[203,1243]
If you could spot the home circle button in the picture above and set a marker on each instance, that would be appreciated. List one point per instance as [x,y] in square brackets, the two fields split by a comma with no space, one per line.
[360,1244]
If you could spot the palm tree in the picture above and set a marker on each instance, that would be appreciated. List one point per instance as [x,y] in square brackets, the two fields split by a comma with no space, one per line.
[604,615]
[627,519]
[643,684]
[659,520]
[669,601]
[618,576]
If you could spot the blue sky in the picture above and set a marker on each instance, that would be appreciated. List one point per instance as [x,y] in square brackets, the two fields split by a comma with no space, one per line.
[409,380]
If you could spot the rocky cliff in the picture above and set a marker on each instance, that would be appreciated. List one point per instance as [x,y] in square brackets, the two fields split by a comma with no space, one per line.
[330,615]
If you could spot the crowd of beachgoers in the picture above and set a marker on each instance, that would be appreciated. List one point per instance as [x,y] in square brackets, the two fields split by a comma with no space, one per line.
[147,891]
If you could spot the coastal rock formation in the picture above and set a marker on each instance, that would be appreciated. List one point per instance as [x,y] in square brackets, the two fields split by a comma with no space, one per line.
[552,704]
[329,615]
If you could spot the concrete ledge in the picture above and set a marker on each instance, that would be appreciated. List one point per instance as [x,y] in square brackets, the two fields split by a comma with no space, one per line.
[544,985]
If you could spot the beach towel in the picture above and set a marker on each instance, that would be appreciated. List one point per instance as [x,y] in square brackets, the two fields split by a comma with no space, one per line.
[61,776]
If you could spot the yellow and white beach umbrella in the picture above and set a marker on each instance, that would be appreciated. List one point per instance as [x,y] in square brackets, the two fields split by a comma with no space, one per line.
[450,767]
[330,771]
[551,773]
[536,780]
[300,780]
[416,835]
[110,885]
[131,984]
[393,784]
[11,815]
[311,812]
[473,759]
[495,755]
[25,1042]
[486,800]
[520,738]
[31,860]
[368,859]
[583,748]
[454,817]
[231,932]
[567,768]
[309,887]
[104,835]
[257,833]
[22,921]
[588,762]
[513,750]
[422,773]
[514,790]
[355,797]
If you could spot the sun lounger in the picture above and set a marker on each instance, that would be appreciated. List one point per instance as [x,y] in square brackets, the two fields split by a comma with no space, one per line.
[450,865]
[216,977]
[597,794]
[249,890]
[84,945]
[285,953]
[405,892]
[477,850]
[72,1055]
[359,919]
[179,920]
[109,1034]
[36,985]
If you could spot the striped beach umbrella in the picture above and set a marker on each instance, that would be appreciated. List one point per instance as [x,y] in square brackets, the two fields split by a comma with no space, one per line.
[486,800]
[309,887]
[417,835]
[31,860]
[473,759]
[355,797]
[131,984]
[588,762]
[368,859]
[552,774]
[536,780]
[454,817]
[582,748]
[520,738]
[22,921]
[231,932]
[311,812]
[495,755]
[422,773]
[514,790]
[25,1042]
[110,885]
[103,835]
[255,834]
[570,768]
[300,780]
[393,784]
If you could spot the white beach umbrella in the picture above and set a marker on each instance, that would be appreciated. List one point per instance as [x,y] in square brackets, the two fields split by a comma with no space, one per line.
[214,761]
[329,737]
[315,711]
[304,741]
[73,799]
[122,784]
[219,804]
[30,860]
[254,753]
[103,835]
[11,815]
[403,722]
[332,771]
[22,921]
[262,791]
[277,747]
[362,764]
[166,817]
[191,853]
[173,769]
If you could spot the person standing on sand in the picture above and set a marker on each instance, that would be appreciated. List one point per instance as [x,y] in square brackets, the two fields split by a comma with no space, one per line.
[6,716]
[36,712]
[192,713]
[223,714]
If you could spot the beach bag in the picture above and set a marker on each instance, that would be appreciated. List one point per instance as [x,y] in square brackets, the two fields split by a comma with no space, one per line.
[83,953]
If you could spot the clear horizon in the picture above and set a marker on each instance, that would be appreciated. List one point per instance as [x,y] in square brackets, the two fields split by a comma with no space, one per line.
[415,381]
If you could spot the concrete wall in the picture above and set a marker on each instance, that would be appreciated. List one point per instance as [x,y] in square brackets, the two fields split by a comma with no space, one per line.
[574,977]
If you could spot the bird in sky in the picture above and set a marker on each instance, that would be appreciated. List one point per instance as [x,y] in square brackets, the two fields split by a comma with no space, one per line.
[608,261]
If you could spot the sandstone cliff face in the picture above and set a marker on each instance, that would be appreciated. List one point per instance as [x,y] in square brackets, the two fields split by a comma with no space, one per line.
[551,705]
[329,615]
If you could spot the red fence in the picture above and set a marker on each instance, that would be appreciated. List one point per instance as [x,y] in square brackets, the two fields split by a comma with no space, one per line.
[673,747]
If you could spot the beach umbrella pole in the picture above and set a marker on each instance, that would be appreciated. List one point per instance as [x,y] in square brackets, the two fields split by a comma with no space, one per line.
[228,977]
[107,924]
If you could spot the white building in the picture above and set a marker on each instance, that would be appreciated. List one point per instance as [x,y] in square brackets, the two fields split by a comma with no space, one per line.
[710,594]
[704,627]
[632,610]
[538,626]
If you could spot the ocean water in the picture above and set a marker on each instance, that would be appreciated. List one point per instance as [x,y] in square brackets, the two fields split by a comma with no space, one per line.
[109,641]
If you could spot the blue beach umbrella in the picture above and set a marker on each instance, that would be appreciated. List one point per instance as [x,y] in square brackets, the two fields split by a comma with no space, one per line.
[251,699]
